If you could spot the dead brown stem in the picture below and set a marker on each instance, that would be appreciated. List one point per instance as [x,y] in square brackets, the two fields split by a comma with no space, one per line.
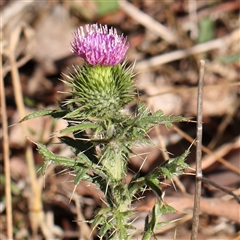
[6,158]
[197,196]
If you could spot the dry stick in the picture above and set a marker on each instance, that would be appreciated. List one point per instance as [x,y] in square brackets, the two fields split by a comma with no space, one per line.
[206,150]
[36,212]
[85,231]
[223,125]
[6,158]
[181,89]
[147,21]
[228,196]
[20,107]
[19,64]
[214,11]
[36,186]
[13,10]
[208,181]
[192,10]
[179,54]
[197,196]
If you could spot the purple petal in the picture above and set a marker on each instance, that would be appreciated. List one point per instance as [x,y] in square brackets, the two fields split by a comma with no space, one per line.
[99,45]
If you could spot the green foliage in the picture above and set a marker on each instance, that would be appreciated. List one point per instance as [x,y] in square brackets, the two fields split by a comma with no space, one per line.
[206,30]
[15,190]
[53,113]
[29,101]
[170,168]
[234,58]
[104,7]
[100,136]
[153,224]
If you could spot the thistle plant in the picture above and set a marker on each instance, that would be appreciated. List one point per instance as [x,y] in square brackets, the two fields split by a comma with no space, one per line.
[101,133]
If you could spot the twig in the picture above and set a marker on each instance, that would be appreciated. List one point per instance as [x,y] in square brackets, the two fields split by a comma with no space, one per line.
[85,231]
[223,125]
[35,204]
[206,150]
[213,11]
[6,158]
[192,8]
[151,24]
[208,181]
[212,206]
[15,8]
[19,64]
[228,197]
[179,54]
[196,209]
[18,93]
[180,90]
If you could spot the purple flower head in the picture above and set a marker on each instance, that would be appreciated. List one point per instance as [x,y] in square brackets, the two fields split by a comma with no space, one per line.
[99,45]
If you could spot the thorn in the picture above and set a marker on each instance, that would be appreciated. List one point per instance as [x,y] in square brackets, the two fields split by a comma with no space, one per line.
[74,189]
[173,185]
[145,159]
[175,234]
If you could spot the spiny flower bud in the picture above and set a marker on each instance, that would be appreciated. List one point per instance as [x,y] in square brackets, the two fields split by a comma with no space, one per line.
[99,45]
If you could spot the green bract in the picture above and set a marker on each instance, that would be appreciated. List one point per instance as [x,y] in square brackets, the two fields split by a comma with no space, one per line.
[100,91]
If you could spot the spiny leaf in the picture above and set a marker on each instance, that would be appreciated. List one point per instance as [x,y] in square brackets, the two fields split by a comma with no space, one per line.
[164,208]
[161,224]
[53,113]
[98,220]
[170,168]
[154,219]
[79,127]
[152,225]
[153,183]
[80,173]
[174,166]
[104,228]
[49,156]
[46,163]
[135,184]
[79,146]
